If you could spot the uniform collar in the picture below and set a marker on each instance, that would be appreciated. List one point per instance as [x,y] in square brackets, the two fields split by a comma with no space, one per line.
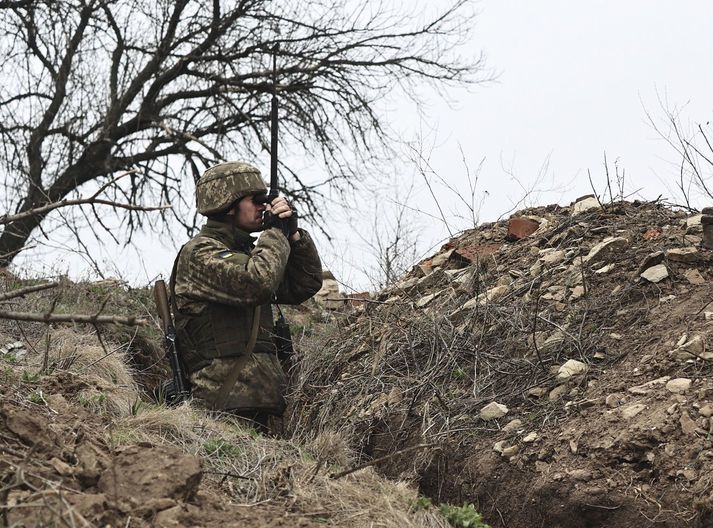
[227,234]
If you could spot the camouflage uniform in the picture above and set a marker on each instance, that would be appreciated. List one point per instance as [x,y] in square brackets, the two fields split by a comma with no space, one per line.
[220,277]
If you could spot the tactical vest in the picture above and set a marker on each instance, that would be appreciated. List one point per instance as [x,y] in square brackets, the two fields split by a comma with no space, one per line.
[221,331]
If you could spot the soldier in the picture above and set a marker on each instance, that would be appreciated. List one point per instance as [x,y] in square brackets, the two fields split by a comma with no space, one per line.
[223,283]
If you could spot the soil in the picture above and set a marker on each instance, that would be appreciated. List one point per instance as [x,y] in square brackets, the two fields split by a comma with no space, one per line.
[59,471]
[615,445]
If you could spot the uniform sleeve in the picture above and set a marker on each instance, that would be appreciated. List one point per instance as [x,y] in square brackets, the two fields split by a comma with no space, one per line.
[211,272]
[303,274]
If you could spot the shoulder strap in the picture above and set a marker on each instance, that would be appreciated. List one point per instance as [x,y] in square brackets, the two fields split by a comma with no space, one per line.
[172,283]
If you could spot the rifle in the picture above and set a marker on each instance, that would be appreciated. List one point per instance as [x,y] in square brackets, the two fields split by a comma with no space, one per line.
[180,391]
[274,182]
[281,337]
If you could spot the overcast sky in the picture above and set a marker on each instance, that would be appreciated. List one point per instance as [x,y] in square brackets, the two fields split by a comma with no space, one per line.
[574,80]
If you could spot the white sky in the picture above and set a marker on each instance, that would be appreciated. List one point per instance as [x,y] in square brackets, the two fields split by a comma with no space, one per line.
[575,79]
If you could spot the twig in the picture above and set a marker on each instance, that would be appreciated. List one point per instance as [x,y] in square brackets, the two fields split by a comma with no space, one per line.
[73,318]
[29,289]
[381,459]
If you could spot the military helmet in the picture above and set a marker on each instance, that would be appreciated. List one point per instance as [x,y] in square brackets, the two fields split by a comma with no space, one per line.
[221,185]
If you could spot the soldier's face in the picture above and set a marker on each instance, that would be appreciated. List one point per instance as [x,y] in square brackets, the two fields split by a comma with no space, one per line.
[248,213]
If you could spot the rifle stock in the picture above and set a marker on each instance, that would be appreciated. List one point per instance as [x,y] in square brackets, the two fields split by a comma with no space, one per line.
[180,385]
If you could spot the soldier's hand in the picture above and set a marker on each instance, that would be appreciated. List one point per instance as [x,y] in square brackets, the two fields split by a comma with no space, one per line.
[281,209]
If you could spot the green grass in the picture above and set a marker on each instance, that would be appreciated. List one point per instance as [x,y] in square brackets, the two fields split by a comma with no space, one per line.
[221,449]
[465,516]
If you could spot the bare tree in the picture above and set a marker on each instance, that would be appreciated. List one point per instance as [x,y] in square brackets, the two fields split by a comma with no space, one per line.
[164,88]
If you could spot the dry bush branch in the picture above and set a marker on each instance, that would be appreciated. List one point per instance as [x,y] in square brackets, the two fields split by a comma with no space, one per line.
[28,289]
[50,317]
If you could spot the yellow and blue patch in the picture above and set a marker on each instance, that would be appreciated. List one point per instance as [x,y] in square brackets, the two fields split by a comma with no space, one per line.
[226,253]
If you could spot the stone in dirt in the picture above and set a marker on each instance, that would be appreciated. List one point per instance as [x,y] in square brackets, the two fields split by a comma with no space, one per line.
[632,410]
[694,220]
[678,385]
[646,388]
[614,400]
[605,249]
[577,293]
[557,392]
[688,426]
[604,269]
[585,203]
[706,410]
[530,438]
[552,256]
[512,425]
[686,255]
[655,274]
[520,227]
[537,392]
[510,452]
[571,368]
[691,348]
[693,276]
[650,260]
[493,411]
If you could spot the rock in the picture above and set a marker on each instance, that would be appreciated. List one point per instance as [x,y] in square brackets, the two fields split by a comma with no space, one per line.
[493,411]
[650,260]
[555,293]
[604,269]
[423,301]
[497,293]
[706,410]
[551,256]
[441,258]
[582,475]
[614,400]
[510,452]
[694,220]
[499,446]
[690,349]
[557,392]
[505,280]
[655,274]
[577,292]
[693,276]
[688,473]
[530,438]
[678,385]
[571,368]
[585,203]
[688,426]
[512,425]
[605,249]
[632,410]
[537,392]
[520,227]
[686,255]
[17,349]
[645,388]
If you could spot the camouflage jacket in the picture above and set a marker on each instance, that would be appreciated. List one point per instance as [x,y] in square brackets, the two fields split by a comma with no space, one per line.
[220,277]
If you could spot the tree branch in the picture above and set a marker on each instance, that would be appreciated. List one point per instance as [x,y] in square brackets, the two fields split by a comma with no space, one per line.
[73,318]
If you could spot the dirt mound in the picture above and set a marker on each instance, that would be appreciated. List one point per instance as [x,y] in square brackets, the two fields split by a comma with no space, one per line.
[82,445]
[553,376]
